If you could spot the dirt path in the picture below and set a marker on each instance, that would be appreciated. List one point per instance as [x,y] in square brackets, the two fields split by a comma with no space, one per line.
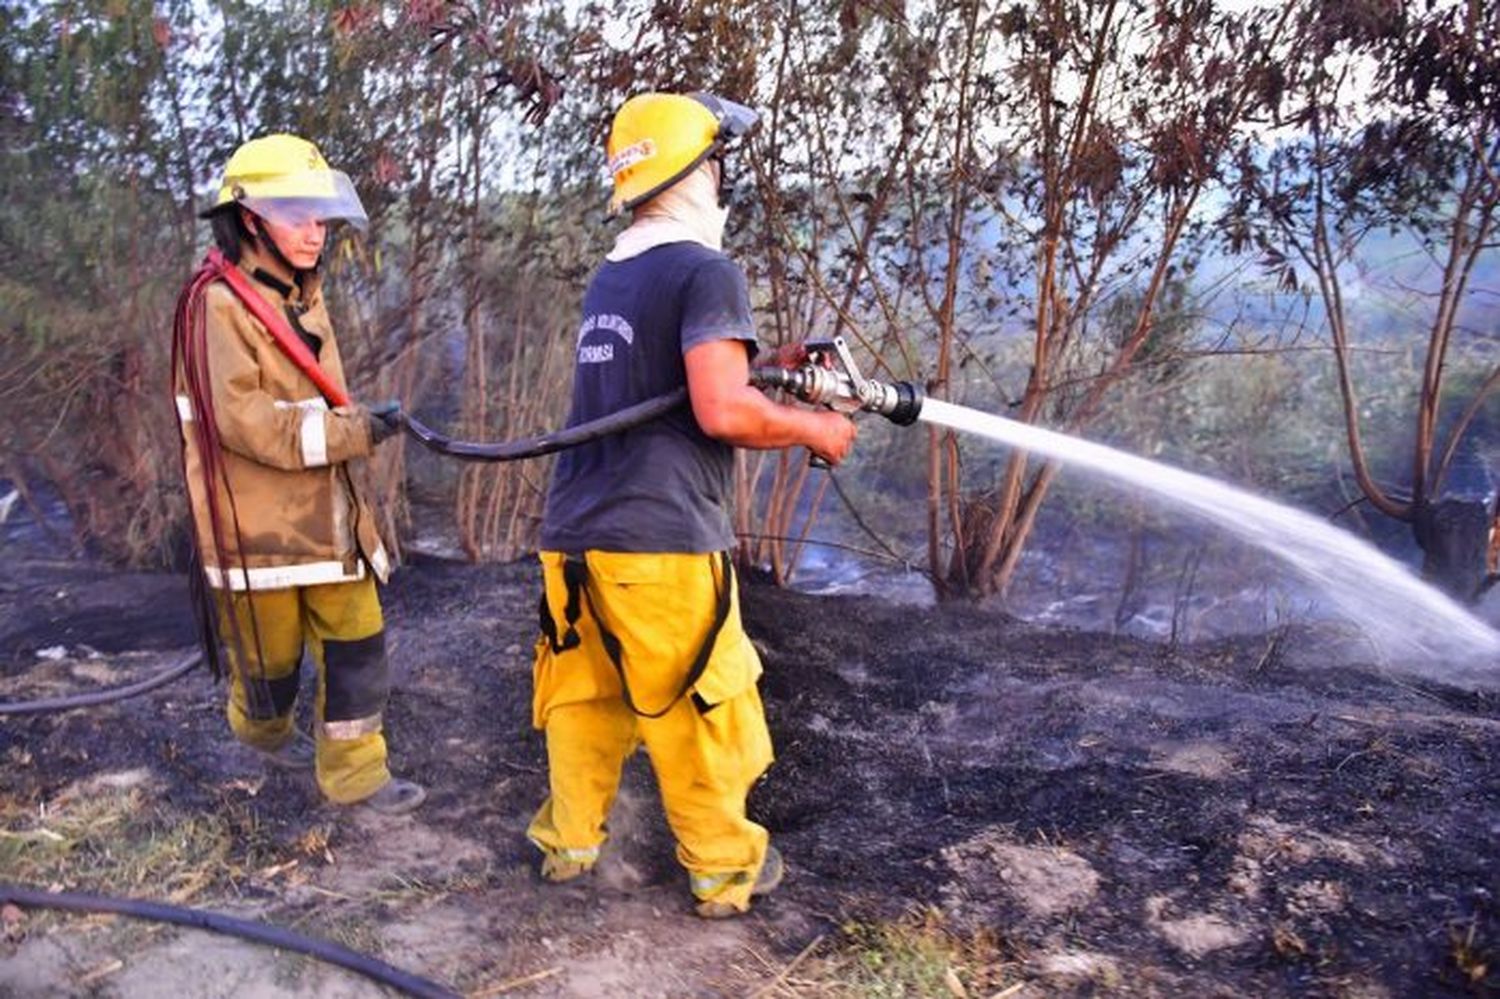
[1099,813]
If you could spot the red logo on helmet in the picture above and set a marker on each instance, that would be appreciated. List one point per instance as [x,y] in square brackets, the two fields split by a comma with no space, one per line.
[636,152]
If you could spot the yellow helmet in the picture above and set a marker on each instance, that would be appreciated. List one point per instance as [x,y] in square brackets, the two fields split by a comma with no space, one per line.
[657,139]
[285,179]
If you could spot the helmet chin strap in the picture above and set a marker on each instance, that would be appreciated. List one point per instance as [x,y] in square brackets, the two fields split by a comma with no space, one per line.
[264,235]
[726,185]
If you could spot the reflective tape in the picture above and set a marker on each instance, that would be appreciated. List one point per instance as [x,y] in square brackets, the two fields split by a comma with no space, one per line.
[706,886]
[314,439]
[576,855]
[312,402]
[312,432]
[342,731]
[381,563]
[280,577]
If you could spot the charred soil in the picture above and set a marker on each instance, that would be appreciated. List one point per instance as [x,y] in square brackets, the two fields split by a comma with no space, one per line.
[1262,816]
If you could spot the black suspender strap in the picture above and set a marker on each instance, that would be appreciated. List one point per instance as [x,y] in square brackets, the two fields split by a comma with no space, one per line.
[575,575]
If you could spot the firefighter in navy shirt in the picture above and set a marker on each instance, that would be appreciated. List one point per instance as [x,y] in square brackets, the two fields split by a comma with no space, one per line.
[641,636]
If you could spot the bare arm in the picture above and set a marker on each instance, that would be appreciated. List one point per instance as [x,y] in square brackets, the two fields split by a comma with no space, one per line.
[730,410]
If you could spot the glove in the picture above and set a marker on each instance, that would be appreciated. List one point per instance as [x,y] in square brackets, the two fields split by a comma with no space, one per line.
[385,420]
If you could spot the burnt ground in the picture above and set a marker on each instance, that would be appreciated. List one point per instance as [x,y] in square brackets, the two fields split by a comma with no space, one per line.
[1257,816]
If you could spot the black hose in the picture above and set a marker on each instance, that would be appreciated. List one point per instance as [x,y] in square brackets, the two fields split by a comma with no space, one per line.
[528,447]
[535,447]
[265,933]
[104,696]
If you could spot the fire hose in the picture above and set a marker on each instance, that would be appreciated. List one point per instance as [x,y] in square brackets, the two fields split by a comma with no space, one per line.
[93,698]
[529,447]
[263,933]
[534,447]
[829,378]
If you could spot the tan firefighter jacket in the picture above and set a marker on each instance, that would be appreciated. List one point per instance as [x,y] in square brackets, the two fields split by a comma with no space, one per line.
[1492,563]
[290,507]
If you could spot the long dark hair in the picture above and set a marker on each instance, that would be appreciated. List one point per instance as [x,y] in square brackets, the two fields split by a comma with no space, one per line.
[230,234]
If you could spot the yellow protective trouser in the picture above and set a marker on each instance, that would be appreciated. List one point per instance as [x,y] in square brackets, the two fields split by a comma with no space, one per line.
[706,749]
[341,624]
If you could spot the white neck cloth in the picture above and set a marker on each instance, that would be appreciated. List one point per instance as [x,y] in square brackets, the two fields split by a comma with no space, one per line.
[686,212]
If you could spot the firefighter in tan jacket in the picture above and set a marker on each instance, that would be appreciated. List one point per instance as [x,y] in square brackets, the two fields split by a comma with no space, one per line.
[288,548]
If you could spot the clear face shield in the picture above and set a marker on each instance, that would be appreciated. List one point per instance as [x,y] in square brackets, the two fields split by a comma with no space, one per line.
[296,199]
[735,121]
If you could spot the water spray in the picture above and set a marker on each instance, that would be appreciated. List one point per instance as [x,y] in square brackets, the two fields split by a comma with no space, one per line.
[1396,611]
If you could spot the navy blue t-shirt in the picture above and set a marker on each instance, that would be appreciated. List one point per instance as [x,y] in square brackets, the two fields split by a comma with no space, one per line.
[663,486]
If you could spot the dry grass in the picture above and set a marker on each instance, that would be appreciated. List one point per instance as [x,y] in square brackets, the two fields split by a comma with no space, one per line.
[919,955]
[401,891]
[359,931]
[1473,960]
[115,841]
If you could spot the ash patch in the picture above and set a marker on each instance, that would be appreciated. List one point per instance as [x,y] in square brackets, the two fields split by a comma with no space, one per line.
[1039,882]
[1195,934]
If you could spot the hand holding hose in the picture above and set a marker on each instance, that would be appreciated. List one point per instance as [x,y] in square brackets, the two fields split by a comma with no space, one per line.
[385,420]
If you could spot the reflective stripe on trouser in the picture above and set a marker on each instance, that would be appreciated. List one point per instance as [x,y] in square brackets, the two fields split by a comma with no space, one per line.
[341,625]
[706,751]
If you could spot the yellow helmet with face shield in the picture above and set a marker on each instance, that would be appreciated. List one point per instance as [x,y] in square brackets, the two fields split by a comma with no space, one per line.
[657,139]
[285,179]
